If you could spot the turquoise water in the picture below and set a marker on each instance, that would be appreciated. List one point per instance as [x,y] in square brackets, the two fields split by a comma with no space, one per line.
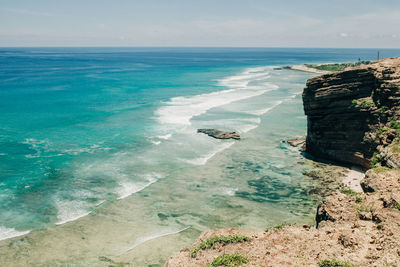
[81,128]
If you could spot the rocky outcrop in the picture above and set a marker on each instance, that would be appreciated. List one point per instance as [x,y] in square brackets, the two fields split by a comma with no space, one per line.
[346,111]
[220,134]
[354,229]
[296,142]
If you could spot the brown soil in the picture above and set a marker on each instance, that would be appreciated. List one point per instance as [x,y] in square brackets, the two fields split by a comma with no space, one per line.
[362,229]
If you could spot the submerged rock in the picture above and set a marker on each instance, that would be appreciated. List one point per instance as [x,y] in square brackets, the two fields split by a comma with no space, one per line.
[219,134]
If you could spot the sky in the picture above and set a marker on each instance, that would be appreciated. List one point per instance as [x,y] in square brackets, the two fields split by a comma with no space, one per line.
[215,23]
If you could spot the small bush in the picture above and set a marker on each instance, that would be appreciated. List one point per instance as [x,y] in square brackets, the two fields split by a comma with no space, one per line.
[397,206]
[381,169]
[367,104]
[394,125]
[395,147]
[279,227]
[384,108]
[219,239]
[381,130]
[229,260]
[358,199]
[375,160]
[348,191]
[335,263]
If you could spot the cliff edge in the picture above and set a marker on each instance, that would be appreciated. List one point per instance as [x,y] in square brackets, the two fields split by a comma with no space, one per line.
[347,111]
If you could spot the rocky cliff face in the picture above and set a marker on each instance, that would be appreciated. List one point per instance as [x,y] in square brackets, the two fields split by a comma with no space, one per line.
[351,112]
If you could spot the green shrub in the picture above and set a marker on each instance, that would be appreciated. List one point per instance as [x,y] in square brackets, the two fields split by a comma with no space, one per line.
[397,206]
[219,239]
[395,147]
[279,227]
[381,130]
[358,199]
[366,104]
[381,169]
[348,191]
[375,160]
[335,263]
[394,125]
[229,260]
[384,108]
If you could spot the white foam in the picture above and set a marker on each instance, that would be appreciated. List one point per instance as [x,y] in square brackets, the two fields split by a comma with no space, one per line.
[265,110]
[228,191]
[6,233]
[179,110]
[246,77]
[100,202]
[247,128]
[155,142]
[69,211]
[165,137]
[203,160]
[128,188]
[144,239]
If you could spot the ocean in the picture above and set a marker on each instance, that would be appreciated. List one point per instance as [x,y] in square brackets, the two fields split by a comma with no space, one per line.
[105,140]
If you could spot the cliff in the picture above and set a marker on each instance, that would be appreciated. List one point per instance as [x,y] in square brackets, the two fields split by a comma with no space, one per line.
[347,111]
[352,118]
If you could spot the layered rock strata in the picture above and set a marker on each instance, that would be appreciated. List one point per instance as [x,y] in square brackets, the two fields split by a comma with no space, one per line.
[346,110]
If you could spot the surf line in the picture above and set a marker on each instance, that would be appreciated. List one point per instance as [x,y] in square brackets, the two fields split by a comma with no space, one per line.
[142,240]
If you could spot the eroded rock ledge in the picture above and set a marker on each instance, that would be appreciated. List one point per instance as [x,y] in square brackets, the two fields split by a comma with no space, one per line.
[345,111]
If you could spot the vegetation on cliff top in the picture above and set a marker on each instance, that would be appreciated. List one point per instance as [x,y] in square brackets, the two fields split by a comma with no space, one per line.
[229,260]
[337,66]
[334,263]
[212,242]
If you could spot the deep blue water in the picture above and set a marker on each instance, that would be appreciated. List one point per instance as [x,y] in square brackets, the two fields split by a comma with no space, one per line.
[62,109]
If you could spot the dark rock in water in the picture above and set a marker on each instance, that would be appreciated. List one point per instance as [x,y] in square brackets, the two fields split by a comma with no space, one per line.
[296,142]
[219,134]
[350,111]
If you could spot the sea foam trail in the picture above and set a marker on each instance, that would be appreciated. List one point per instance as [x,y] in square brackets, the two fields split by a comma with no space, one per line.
[144,239]
[265,110]
[128,188]
[179,110]
[203,160]
[6,233]
[69,211]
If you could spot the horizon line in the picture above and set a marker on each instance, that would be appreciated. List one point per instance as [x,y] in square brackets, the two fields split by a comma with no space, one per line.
[156,46]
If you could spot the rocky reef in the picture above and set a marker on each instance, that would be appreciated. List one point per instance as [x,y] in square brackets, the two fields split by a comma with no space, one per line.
[347,111]
[352,118]
[219,134]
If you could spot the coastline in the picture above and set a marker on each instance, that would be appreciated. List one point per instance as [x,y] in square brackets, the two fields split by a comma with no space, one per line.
[356,224]
[110,230]
[304,68]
